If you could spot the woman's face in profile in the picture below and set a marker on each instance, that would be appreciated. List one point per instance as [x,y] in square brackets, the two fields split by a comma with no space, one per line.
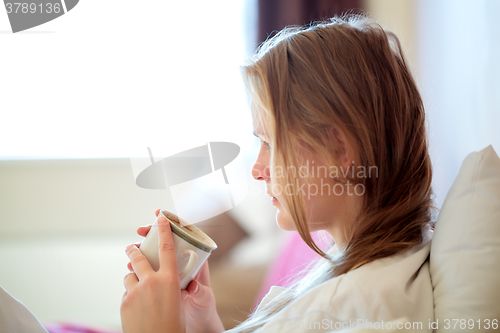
[326,201]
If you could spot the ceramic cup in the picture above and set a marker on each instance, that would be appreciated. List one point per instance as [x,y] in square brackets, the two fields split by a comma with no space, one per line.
[193,247]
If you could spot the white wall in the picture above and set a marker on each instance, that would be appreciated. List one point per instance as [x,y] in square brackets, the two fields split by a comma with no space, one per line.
[399,17]
[460,74]
[453,51]
[63,228]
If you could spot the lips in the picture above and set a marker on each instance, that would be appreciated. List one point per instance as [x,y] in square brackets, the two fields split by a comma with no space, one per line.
[273,198]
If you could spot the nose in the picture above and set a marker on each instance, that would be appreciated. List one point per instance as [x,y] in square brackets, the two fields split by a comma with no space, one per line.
[261,168]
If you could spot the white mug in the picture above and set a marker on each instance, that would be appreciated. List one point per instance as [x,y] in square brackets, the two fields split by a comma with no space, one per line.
[192,246]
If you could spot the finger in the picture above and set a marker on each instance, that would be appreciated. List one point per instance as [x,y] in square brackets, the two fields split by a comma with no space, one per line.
[130,280]
[193,287]
[139,262]
[201,296]
[204,275]
[129,266]
[143,231]
[166,247]
[135,244]
[157,212]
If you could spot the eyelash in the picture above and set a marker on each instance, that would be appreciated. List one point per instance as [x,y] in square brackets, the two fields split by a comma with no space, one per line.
[267,144]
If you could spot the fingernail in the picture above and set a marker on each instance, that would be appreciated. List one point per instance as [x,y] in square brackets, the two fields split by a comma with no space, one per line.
[197,288]
[162,220]
[185,295]
[129,247]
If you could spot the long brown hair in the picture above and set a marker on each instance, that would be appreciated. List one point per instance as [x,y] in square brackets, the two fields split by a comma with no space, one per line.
[350,73]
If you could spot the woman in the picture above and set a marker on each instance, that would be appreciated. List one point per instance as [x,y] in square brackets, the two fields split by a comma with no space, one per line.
[343,149]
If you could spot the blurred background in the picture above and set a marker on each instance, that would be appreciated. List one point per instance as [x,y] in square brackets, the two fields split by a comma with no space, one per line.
[85,95]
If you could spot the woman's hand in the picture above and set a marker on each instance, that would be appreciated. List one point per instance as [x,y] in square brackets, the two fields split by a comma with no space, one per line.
[153,301]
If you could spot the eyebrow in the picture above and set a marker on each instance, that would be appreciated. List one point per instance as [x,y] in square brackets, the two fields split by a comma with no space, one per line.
[258,133]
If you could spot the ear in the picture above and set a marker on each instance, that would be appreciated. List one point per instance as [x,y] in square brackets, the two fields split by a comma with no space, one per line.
[343,149]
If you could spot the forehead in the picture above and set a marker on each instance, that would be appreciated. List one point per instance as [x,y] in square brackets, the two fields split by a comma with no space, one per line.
[261,124]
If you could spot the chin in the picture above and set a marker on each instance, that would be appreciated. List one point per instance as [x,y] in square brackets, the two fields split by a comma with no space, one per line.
[284,221]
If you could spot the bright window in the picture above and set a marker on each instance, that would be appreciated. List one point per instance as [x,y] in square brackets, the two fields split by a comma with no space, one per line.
[111,78]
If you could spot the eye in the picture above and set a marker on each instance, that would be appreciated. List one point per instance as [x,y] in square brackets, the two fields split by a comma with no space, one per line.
[267,144]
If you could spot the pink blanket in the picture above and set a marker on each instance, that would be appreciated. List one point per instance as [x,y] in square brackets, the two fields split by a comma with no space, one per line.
[76,328]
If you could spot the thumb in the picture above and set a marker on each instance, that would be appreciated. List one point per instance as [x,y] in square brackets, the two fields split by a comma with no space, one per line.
[200,296]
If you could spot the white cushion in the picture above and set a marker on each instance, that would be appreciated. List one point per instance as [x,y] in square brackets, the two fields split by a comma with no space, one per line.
[465,251]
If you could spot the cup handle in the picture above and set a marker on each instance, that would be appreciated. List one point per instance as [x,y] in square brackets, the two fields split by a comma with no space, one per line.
[193,257]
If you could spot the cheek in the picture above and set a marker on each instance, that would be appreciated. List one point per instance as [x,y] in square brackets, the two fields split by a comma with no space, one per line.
[322,199]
